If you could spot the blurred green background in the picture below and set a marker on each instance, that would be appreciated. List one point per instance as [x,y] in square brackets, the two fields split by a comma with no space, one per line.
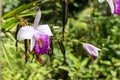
[88,21]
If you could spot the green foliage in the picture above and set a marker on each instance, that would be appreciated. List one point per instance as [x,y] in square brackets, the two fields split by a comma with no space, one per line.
[89,22]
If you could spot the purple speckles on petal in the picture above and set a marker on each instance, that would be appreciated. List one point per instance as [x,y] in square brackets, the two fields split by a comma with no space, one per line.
[42,45]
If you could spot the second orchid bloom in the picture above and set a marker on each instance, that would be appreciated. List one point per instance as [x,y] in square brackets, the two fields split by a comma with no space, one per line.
[92,50]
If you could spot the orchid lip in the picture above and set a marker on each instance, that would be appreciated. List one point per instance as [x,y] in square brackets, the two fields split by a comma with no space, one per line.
[42,45]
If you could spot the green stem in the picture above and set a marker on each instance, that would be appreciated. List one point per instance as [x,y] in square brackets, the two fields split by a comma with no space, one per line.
[92,68]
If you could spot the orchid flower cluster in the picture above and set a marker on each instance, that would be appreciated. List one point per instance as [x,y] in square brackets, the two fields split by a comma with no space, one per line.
[114,5]
[40,41]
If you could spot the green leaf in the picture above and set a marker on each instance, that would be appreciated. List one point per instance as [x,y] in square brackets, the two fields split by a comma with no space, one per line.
[117,64]
[10,36]
[15,11]
[9,23]
[5,54]
[75,60]
[64,68]
[27,13]
[105,62]
[20,9]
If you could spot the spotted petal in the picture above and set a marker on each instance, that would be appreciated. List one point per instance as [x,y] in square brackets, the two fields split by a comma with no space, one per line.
[25,33]
[110,2]
[45,30]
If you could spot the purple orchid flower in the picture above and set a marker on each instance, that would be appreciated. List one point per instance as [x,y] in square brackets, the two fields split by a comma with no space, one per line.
[92,50]
[114,5]
[39,36]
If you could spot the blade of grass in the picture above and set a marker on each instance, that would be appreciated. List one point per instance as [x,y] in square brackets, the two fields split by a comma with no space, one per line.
[5,54]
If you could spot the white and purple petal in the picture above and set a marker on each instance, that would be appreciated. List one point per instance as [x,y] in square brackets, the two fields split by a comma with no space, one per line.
[92,50]
[25,33]
[44,30]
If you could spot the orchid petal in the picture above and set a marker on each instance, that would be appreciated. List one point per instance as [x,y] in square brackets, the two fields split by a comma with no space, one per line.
[45,30]
[37,34]
[110,2]
[25,33]
[32,44]
[37,19]
[92,50]
[101,1]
